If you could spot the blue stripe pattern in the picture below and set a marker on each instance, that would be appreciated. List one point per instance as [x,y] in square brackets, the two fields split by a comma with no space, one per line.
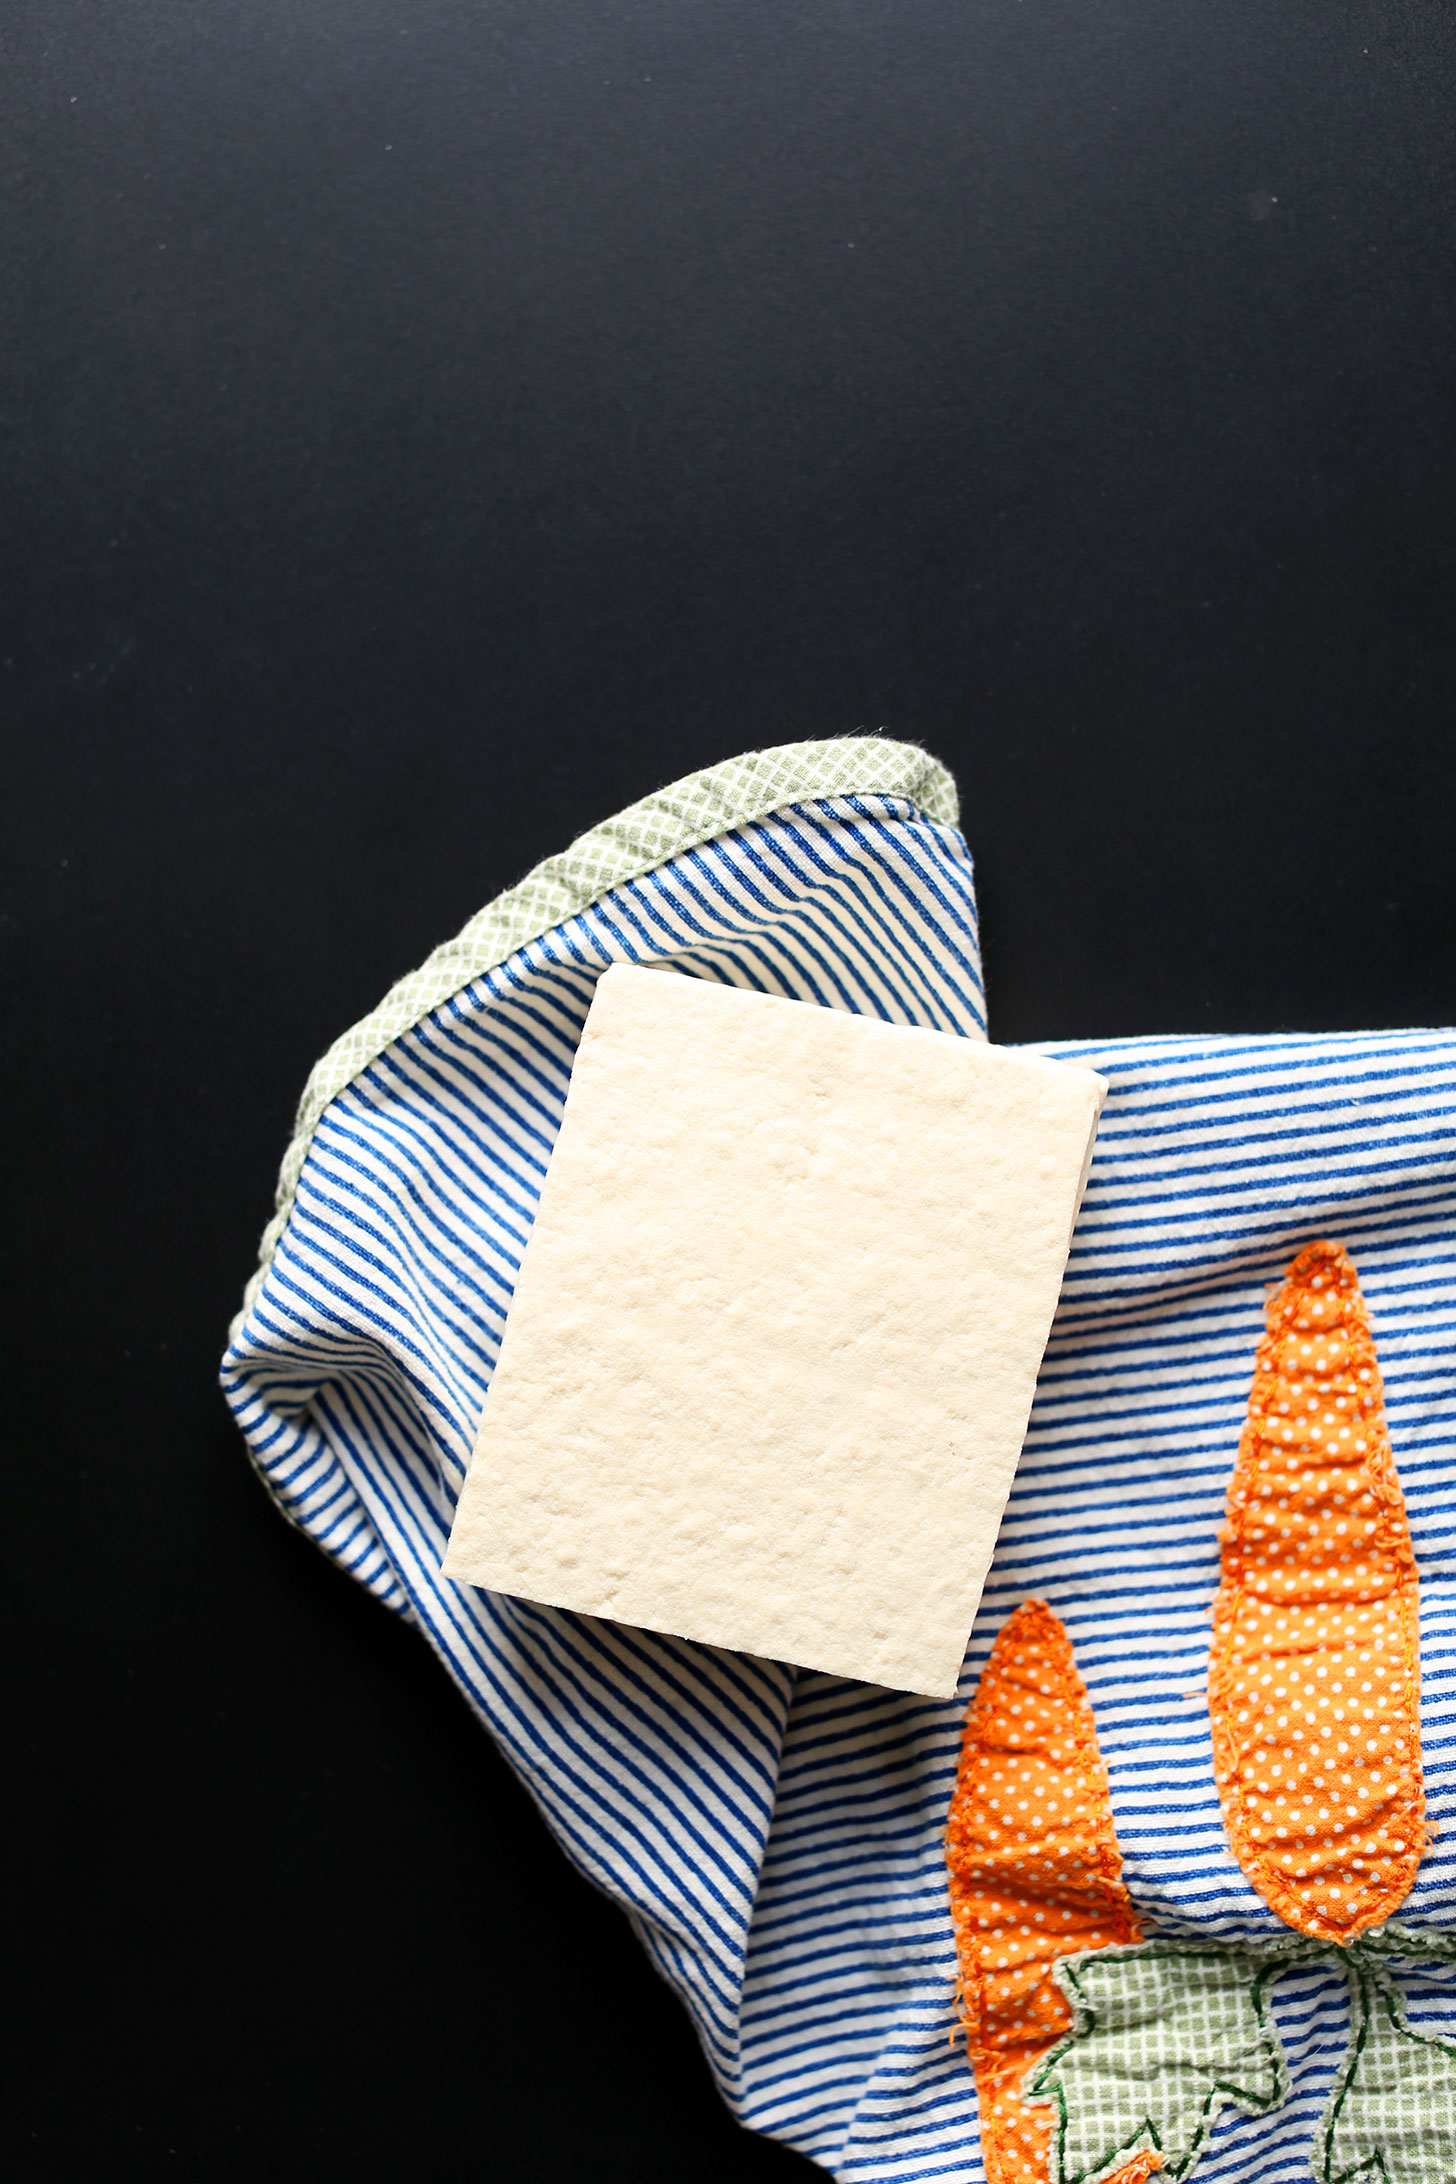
[775,1835]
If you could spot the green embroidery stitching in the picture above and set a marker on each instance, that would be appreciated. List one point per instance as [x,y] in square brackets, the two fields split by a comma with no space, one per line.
[1392,2116]
[1168,2033]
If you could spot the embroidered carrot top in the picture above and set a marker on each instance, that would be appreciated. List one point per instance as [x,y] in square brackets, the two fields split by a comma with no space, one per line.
[1035,1874]
[1314,1684]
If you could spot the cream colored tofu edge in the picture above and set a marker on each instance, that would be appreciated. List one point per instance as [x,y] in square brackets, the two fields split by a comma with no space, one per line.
[462,1564]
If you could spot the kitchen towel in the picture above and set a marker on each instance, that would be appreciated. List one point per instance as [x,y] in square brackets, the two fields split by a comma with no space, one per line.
[775,1835]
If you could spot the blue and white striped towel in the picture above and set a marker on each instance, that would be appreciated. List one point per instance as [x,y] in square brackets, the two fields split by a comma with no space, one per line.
[776,1835]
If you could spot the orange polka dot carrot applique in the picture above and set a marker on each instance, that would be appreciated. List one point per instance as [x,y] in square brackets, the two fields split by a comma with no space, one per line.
[1314,1683]
[1100,2055]
[1035,1874]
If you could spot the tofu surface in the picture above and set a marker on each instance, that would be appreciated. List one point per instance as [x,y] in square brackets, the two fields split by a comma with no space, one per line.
[767,1368]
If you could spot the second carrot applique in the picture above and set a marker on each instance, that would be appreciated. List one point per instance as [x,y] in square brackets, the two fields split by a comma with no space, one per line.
[1096,2056]
[1314,1682]
[1034,1874]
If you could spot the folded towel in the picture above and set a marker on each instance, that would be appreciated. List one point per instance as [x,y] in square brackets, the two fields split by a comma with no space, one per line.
[776,1836]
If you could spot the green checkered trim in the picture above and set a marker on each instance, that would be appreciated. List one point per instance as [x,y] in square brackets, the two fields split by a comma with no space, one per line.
[692,810]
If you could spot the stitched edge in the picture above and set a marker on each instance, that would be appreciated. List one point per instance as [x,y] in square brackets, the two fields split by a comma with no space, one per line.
[688,812]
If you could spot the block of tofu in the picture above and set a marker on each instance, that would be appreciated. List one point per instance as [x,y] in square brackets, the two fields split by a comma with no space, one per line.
[767,1369]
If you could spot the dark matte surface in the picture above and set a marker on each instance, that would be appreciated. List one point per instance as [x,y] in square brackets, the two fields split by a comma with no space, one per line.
[431,425]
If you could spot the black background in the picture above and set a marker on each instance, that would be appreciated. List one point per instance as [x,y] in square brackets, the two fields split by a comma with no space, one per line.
[431,424]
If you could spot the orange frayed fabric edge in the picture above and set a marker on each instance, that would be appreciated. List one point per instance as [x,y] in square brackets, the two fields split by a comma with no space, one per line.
[1035,1875]
[1314,1682]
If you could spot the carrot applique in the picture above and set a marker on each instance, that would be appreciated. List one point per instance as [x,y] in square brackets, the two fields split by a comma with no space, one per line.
[1100,2056]
[1314,1682]
[1035,1874]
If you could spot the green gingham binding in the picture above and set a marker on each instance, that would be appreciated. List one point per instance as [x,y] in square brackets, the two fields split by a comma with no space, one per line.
[661,826]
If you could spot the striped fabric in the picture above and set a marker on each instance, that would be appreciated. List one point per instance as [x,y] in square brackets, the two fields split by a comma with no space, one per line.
[775,1835]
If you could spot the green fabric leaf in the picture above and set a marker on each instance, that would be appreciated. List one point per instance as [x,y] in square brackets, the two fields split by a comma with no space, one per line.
[1392,2116]
[1168,2033]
